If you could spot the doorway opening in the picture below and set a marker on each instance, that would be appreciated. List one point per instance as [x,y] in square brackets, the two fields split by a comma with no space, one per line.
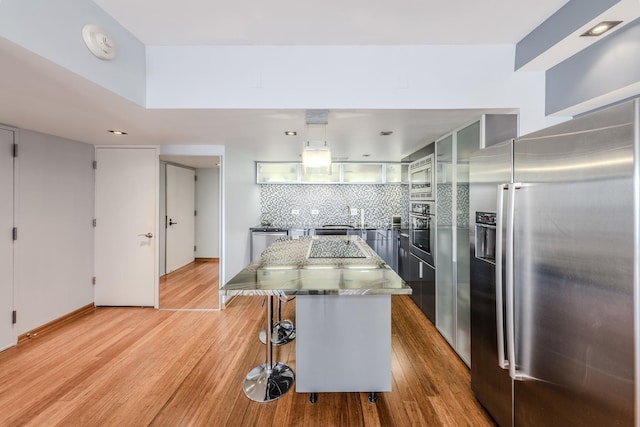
[189,238]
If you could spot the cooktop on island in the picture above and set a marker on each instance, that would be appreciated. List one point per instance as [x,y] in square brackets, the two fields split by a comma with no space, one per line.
[335,248]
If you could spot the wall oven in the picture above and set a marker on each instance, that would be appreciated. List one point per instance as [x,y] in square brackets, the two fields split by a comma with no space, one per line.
[421,179]
[422,230]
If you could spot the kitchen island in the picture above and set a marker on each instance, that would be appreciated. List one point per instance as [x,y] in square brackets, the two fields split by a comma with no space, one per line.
[343,295]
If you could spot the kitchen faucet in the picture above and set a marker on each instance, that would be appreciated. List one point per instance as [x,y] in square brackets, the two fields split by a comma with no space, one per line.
[348,215]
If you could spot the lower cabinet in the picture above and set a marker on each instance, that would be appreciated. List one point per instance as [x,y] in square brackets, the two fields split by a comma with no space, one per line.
[343,343]
[385,243]
[422,279]
[403,256]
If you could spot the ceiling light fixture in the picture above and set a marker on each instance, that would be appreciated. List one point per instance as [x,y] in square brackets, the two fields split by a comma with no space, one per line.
[316,155]
[290,132]
[386,132]
[117,132]
[600,28]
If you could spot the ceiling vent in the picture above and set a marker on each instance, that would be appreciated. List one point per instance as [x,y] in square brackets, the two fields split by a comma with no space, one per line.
[317,117]
[98,42]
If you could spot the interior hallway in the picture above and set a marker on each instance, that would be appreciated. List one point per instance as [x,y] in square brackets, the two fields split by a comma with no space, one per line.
[194,286]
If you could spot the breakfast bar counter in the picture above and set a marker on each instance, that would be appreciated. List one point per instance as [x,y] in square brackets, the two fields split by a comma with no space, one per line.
[343,295]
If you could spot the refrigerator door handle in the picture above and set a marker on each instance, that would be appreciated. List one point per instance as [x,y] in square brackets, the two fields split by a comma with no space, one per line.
[510,288]
[502,360]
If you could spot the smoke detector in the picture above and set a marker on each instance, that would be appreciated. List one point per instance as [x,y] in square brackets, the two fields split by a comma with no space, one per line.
[98,42]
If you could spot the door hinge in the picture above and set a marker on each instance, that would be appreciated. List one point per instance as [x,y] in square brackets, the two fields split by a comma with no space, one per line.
[195,177]
[95,164]
[195,213]
[14,317]
[15,233]
[194,248]
[15,149]
[94,222]
[93,280]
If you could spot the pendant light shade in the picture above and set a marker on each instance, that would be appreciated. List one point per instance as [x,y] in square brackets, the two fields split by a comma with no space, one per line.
[316,155]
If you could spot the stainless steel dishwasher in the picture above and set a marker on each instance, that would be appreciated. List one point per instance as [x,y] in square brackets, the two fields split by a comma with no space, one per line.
[263,237]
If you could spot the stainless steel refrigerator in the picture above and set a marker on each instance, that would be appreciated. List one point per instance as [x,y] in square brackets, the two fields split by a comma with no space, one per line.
[554,272]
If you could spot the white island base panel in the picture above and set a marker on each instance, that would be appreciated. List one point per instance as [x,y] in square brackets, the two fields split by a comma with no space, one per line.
[343,343]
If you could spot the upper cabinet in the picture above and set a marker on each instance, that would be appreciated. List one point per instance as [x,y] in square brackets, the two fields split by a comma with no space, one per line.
[340,173]
[310,176]
[280,173]
[397,173]
[362,173]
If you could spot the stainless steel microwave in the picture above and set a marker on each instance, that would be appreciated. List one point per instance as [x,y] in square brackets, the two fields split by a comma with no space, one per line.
[421,185]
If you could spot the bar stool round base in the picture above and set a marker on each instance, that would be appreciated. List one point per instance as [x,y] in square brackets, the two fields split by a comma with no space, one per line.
[260,386]
[283,333]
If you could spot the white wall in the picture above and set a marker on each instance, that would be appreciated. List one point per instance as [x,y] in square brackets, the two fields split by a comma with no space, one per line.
[335,77]
[241,209]
[54,213]
[208,208]
[53,30]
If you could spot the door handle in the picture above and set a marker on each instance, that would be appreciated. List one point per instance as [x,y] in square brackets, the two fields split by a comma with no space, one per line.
[171,222]
[148,235]
[500,326]
[514,373]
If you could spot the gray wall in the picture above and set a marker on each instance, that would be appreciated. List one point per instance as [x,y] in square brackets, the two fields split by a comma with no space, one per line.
[54,212]
[208,208]
[610,65]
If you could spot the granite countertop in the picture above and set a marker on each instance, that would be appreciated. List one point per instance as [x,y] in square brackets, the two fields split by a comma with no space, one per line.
[317,265]
[314,227]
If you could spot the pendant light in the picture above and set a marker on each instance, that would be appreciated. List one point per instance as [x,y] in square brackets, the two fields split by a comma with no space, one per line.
[316,154]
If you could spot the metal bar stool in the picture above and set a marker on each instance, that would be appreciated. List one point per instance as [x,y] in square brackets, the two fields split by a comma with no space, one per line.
[283,331]
[268,381]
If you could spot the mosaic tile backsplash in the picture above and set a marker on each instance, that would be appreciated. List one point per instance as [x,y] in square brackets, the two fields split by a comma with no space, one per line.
[380,203]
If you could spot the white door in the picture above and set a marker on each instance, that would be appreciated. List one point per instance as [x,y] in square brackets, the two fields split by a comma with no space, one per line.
[181,228]
[7,333]
[126,226]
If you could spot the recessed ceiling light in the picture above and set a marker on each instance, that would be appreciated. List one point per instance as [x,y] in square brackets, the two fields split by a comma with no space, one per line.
[290,133]
[386,132]
[366,155]
[600,28]
[117,132]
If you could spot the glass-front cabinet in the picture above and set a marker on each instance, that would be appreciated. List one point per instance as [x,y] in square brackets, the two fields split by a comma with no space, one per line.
[277,173]
[452,234]
[467,141]
[338,173]
[362,173]
[445,284]
[453,303]
[397,173]
[310,175]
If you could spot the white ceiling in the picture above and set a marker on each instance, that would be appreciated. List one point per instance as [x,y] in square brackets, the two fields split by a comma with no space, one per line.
[329,22]
[42,96]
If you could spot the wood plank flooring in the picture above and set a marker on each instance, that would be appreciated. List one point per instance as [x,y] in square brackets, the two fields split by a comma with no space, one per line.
[194,286]
[146,367]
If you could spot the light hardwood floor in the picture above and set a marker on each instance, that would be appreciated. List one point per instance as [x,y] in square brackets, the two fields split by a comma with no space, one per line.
[140,366]
[192,286]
